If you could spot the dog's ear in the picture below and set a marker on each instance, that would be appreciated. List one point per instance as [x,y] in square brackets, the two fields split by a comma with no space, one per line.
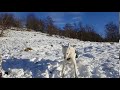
[63,46]
[68,44]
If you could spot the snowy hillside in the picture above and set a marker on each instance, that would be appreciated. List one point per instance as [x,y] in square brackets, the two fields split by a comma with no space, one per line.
[44,60]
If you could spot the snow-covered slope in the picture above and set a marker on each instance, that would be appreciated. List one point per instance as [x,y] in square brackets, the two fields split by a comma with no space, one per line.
[95,60]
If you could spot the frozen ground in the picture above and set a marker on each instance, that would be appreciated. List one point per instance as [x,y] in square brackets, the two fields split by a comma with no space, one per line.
[95,60]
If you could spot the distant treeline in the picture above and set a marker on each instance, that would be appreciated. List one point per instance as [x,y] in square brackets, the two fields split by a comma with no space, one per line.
[76,30]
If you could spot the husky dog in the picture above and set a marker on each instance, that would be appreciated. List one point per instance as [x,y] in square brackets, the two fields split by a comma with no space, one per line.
[69,55]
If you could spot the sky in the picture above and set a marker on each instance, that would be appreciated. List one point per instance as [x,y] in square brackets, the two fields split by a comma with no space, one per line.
[96,19]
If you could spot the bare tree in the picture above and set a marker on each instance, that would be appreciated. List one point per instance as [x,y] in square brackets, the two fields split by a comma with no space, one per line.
[4,23]
[112,32]
[50,27]
[17,23]
[7,21]
[32,22]
[68,30]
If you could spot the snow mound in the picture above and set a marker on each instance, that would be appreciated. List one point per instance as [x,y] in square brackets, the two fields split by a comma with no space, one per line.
[44,60]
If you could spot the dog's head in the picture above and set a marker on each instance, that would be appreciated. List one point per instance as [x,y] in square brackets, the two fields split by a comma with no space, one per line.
[66,51]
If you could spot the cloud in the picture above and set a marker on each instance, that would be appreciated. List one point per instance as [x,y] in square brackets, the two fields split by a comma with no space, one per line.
[61,18]
[77,18]
[58,17]
[60,23]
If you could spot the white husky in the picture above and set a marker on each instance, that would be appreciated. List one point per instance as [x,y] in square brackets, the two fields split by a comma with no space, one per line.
[69,55]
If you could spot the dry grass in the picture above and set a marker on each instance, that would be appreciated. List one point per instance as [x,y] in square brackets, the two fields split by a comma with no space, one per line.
[28,49]
[29,30]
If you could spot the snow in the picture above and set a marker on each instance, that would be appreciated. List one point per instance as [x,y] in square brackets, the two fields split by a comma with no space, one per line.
[95,59]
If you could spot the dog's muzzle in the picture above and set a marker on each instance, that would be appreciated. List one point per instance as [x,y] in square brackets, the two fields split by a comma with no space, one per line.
[67,58]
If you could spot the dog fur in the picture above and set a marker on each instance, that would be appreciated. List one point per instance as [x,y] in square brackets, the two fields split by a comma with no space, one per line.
[69,55]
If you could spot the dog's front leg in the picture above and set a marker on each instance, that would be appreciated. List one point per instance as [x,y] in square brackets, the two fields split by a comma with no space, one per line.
[75,68]
[63,67]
